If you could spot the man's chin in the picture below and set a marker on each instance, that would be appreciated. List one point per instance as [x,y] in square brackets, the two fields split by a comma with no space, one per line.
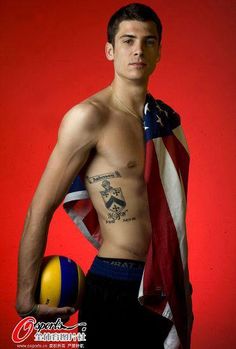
[143,78]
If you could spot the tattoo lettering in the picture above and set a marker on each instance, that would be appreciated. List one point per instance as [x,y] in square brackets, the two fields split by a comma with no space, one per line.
[102,177]
[115,203]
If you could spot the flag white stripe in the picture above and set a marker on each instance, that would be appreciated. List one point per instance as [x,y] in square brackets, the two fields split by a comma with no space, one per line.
[174,192]
[172,340]
[76,195]
[140,293]
[178,132]
[167,312]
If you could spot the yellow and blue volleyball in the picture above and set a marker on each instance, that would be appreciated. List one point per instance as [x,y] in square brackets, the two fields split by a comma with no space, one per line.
[61,282]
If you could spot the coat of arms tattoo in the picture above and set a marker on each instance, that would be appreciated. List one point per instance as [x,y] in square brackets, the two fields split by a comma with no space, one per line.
[114,202]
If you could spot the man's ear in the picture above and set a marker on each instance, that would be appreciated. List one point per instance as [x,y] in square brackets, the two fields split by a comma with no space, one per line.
[109,50]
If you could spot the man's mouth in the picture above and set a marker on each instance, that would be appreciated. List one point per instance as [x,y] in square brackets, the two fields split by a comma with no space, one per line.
[138,64]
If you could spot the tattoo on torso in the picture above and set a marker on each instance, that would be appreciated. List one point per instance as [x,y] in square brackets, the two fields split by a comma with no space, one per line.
[113,198]
[101,177]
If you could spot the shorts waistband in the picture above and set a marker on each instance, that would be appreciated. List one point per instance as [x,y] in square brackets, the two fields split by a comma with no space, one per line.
[117,268]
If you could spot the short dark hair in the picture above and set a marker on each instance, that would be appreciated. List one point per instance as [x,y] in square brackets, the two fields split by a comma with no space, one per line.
[134,11]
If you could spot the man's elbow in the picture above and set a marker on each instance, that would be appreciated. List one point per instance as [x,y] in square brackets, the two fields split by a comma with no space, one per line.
[38,212]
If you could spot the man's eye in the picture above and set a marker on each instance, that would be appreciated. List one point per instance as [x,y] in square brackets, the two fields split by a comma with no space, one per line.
[129,41]
[150,42]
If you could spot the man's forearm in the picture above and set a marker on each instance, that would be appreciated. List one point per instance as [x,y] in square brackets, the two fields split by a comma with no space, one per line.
[31,251]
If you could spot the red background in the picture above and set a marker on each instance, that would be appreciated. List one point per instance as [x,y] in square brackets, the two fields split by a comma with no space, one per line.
[52,57]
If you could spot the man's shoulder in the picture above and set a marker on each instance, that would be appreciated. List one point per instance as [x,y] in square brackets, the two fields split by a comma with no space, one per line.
[165,107]
[82,123]
[92,110]
[167,111]
[87,113]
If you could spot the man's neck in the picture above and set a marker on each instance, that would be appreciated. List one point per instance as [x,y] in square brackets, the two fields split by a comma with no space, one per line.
[131,93]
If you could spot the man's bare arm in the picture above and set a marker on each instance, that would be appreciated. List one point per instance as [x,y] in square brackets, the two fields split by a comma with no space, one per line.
[78,134]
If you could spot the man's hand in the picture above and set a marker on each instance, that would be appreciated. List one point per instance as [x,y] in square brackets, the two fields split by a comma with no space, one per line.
[45,313]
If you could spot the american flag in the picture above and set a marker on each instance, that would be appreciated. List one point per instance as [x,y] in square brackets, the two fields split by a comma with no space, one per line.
[165,286]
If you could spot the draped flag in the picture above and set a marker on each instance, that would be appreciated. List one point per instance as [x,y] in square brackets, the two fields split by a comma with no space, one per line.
[165,286]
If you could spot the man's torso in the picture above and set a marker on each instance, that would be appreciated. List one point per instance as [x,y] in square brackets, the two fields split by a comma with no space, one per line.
[114,178]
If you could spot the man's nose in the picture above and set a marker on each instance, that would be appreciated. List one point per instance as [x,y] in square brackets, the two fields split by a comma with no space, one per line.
[139,49]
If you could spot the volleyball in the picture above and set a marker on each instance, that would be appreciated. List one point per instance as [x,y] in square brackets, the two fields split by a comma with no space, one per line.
[61,282]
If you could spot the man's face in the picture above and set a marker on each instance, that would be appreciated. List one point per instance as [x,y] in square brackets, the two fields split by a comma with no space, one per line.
[136,50]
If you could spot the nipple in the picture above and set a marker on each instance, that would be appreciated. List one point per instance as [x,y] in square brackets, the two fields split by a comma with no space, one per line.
[131,164]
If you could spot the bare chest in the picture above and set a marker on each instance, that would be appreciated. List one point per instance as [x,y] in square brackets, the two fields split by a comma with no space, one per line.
[122,145]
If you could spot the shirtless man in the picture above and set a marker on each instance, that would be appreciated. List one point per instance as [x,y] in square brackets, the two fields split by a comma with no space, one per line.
[109,123]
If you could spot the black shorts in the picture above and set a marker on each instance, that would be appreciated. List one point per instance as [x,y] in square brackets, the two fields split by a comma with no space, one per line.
[115,318]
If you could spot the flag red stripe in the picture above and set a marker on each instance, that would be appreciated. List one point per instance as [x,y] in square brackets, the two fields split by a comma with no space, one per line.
[164,259]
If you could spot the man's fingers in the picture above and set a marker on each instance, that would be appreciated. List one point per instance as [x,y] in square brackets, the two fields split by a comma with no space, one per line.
[66,310]
[46,313]
[64,313]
